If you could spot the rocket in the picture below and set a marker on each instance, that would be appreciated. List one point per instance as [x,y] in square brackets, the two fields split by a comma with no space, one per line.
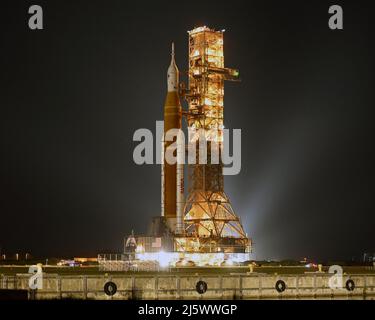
[172,175]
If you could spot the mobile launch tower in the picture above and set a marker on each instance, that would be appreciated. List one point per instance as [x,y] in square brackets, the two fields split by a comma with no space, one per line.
[203,229]
[210,223]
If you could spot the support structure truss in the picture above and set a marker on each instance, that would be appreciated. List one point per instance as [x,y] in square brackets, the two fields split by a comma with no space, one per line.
[211,224]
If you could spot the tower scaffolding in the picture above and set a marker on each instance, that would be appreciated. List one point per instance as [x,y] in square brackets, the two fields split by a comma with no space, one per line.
[210,222]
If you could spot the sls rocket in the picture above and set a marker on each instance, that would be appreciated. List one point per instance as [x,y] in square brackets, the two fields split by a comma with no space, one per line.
[172,175]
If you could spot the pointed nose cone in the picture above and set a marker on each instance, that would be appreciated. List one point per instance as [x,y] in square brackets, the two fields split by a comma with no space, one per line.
[173,74]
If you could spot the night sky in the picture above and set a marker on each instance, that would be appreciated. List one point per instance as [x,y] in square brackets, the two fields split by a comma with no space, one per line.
[73,94]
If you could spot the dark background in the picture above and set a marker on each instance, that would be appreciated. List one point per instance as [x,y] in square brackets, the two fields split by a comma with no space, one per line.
[73,94]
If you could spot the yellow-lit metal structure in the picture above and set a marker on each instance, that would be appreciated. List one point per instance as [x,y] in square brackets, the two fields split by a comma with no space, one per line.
[210,223]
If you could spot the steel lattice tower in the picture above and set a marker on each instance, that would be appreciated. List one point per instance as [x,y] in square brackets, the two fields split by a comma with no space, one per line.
[209,221]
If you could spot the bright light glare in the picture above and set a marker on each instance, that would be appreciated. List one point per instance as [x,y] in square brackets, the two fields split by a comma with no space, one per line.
[163,259]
